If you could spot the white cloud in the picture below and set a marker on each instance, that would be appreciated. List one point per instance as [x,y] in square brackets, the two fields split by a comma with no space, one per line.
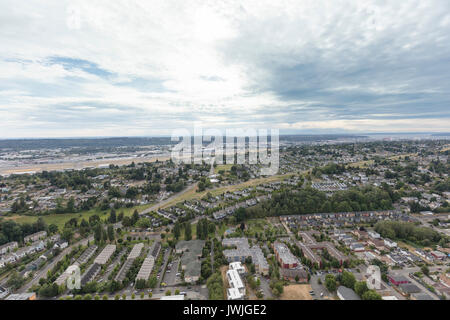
[164,63]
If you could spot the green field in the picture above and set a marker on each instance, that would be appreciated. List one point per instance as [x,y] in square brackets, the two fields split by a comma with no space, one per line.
[224,167]
[61,219]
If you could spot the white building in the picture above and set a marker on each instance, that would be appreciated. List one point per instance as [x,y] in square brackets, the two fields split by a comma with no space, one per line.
[237,287]
[374,235]
[390,244]
[8,247]
[237,266]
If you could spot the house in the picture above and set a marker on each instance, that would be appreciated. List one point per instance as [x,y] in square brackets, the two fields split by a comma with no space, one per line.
[390,244]
[373,235]
[345,293]
[398,279]
[377,243]
[22,296]
[61,244]
[3,292]
[8,247]
[438,255]
[409,288]
[36,247]
[35,236]
[357,247]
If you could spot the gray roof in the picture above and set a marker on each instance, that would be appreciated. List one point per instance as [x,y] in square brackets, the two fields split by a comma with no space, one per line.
[422,296]
[409,288]
[347,293]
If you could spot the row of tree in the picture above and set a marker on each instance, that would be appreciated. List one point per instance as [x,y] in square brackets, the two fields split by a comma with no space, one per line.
[309,200]
[399,230]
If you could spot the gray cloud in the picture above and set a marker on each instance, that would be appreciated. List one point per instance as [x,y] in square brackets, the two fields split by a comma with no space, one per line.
[307,66]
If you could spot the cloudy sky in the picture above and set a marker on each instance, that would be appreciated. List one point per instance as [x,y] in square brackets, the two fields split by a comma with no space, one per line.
[138,68]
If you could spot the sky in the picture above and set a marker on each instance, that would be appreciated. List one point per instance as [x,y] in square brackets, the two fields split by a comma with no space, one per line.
[142,68]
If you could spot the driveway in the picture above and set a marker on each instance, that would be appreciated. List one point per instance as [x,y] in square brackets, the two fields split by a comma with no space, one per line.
[265,287]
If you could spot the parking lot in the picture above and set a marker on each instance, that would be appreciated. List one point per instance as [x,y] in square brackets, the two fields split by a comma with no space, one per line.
[172,276]
[319,292]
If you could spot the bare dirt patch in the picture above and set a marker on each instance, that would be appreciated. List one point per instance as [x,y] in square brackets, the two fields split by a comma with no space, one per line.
[296,292]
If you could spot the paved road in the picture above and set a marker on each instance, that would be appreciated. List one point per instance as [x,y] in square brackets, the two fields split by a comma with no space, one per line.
[43,272]
[171,198]
[165,261]
[265,286]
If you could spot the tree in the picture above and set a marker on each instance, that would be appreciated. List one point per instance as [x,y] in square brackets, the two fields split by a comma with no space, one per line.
[71,205]
[330,282]
[15,280]
[348,280]
[425,270]
[53,228]
[98,232]
[110,233]
[240,214]
[135,217]
[361,288]
[127,222]
[187,231]
[112,216]
[176,230]
[278,288]
[152,282]
[371,295]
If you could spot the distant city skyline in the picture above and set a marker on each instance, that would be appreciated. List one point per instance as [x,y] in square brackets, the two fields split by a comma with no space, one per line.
[108,69]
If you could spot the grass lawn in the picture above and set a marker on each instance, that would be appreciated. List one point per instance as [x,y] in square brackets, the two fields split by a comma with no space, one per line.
[365,164]
[61,219]
[224,167]
[361,164]
[256,226]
